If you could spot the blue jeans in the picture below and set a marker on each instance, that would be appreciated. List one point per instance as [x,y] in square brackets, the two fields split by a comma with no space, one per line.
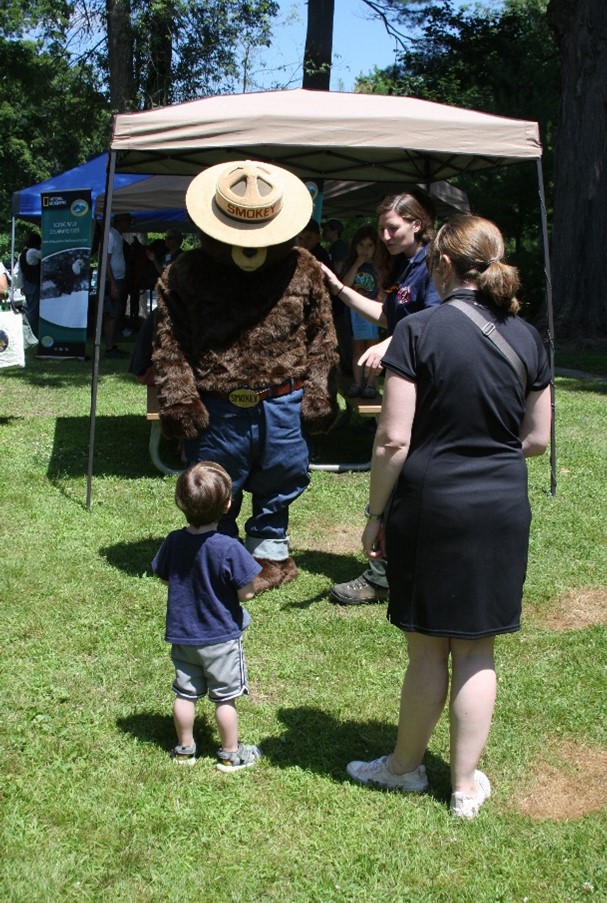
[265,453]
[376,572]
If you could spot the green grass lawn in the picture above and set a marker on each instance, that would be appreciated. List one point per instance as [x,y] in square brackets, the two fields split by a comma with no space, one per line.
[92,807]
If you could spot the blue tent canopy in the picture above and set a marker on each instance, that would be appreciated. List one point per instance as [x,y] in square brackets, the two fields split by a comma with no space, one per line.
[93,175]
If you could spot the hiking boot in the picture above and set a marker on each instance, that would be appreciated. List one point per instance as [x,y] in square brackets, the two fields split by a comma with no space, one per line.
[358,592]
[463,806]
[184,755]
[244,757]
[376,774]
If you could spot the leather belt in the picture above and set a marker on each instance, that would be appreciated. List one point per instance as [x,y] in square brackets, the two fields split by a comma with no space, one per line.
[245,397]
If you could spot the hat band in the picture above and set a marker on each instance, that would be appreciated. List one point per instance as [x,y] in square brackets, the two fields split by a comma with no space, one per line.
[245,213]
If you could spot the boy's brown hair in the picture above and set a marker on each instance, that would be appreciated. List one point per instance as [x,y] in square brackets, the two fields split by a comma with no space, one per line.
[203,492]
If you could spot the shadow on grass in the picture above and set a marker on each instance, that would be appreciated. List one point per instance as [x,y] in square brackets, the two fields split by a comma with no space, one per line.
[5,421]
[121,448]
[313,741]
[150,727]
[133,558]
[47,373]
[316,741]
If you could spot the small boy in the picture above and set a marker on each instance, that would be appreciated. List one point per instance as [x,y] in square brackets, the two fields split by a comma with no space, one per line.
[208,575]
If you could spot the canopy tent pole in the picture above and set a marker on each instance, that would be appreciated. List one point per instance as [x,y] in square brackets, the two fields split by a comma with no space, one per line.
[12,287]
[550,314]
[109,185]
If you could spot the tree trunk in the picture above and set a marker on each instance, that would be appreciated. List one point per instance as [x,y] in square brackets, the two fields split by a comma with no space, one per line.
[120,55]
[158,83]
[319,45]
[579,231]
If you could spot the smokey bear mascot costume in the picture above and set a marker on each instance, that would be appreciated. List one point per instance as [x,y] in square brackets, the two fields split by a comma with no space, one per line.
[245,348]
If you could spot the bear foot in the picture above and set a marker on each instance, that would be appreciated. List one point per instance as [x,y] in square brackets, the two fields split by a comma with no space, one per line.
[273,574]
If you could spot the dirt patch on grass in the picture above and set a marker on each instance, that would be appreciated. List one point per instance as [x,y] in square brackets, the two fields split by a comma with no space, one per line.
[577,609]
[570,781]
[341,540]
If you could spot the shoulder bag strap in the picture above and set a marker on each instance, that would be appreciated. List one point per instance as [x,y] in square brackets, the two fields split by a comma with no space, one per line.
[490,332]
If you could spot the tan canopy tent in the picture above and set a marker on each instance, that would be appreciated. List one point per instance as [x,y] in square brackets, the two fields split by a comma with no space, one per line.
[317,135]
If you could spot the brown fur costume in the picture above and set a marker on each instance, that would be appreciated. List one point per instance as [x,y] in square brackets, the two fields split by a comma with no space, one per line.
[220,328]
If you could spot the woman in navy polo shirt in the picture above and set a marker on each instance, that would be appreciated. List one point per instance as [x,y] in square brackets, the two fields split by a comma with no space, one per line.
[406,226]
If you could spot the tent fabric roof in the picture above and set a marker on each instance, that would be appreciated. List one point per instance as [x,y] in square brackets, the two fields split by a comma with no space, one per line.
[93,174]
[154,216]
[318,134]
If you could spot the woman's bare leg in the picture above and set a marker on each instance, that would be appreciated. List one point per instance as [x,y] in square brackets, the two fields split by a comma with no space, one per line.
[473,690]
[422,700]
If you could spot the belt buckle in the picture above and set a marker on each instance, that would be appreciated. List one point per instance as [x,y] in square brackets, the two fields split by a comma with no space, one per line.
[244,398]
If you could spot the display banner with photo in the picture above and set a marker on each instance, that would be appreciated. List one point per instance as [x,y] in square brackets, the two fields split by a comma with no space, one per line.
[65,273]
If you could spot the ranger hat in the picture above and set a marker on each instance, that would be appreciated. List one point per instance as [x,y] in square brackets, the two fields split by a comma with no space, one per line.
[250,204]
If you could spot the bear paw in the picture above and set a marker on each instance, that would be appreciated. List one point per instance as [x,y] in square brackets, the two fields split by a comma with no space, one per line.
[273,574]
[183,421]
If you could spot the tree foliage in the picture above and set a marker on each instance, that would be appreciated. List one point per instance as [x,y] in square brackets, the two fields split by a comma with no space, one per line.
[51,117]
[161,51]
[67,65]
[501,60]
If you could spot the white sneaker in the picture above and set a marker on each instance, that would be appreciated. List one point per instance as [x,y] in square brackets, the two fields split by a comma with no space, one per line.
[376,774]
[463,806]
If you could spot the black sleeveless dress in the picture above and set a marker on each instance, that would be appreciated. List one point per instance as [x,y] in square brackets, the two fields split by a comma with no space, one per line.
[457,531]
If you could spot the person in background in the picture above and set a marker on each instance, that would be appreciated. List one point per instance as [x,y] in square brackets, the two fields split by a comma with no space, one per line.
[209,575]
[338,249]
[309,238]
[405,226]
[4,282]
[448,502]
[30,264]
[116,290]
[362,272]
[162,257]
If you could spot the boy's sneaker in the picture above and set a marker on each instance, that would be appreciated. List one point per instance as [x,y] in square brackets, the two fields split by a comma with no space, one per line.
[184,755]
[463,806]
[376,774]
[369,392]
[244,757]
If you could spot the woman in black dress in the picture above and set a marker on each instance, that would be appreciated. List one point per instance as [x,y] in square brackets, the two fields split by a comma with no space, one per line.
[448,501]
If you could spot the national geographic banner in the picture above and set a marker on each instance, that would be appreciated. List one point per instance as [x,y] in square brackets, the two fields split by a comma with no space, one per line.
[65,273]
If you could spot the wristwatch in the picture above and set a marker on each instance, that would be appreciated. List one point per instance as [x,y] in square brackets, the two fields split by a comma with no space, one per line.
[371,516]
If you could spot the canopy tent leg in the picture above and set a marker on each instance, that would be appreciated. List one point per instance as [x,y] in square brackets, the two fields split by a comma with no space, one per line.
[550,314]
[109,187]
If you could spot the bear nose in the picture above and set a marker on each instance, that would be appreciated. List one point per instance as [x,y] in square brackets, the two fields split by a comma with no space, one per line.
[250,252]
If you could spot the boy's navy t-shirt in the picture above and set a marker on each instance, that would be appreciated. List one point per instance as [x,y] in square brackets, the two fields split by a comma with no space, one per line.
[204,572]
